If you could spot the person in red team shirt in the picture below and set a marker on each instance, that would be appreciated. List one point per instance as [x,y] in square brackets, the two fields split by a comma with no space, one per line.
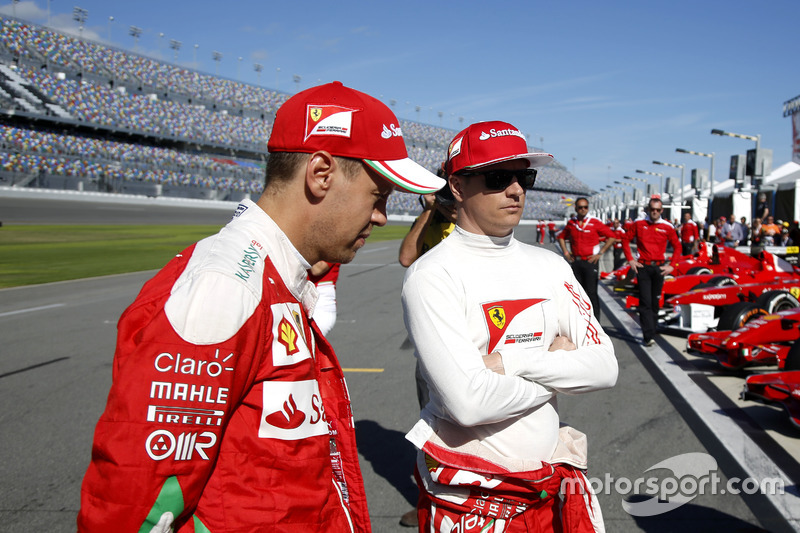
[228,410]
[652,234]
[619,234]
[584,232]
[542,227]
[690,235]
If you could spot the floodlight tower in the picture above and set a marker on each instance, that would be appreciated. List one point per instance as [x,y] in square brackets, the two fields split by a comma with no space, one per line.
[217,57]
[79,15]
[135,32]
[674,166]
[660,177]
[711,170]
[175,45]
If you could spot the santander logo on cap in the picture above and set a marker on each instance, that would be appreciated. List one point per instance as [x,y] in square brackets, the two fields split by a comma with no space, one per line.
[391,131]
[500,133]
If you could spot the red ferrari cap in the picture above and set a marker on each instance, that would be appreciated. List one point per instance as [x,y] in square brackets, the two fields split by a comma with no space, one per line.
[486,143]
[349,123]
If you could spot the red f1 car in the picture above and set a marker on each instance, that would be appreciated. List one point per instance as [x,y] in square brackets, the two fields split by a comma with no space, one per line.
[779,387]
[765,338]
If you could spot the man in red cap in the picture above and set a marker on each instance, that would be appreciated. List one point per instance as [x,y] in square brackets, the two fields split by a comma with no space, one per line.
[652,234]
[500,328]
[583,233]
[218,418]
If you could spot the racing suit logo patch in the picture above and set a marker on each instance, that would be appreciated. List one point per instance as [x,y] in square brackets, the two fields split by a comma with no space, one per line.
[291,410]
[289,345]
[499,317]
[289,417]
[288,336]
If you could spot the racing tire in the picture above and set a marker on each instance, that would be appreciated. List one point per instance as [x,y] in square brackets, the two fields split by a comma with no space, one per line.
[698,270]
[792,361]
[775,301]
[737,315]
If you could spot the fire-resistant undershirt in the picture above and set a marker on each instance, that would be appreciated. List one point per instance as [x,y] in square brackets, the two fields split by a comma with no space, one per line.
[472,295]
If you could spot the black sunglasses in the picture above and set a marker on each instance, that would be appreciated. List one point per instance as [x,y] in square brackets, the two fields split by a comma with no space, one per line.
[582,206]
[500,179]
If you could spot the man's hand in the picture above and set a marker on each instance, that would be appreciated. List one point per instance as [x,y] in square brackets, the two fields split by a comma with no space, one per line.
[635,265]
[494,362]
[666,269]
[428,200]
[562,343]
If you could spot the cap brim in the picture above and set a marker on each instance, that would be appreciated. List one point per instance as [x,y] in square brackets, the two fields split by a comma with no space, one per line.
[536,159]
[408,175]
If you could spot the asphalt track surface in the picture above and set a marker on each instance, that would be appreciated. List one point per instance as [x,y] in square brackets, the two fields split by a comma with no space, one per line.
[55,372]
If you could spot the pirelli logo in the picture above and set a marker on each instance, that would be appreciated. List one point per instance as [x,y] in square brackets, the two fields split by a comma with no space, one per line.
[184,415]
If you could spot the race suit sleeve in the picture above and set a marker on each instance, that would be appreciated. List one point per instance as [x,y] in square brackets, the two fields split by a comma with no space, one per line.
[630,234]
[592,366]
[467,392]
[676,247]
[157,442]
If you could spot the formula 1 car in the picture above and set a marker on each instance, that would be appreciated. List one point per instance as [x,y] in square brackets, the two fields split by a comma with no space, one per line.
[698,302]
[713,260]
[764,338]
[778,387]
[721,308]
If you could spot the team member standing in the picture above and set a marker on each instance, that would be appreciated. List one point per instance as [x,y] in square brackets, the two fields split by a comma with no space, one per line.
[500,328]
[584,233]
[619,254]
[228,409]
[689,235]
[652,234]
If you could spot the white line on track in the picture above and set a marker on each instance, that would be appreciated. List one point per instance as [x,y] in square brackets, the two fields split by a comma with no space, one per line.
[745,451]
[30,310]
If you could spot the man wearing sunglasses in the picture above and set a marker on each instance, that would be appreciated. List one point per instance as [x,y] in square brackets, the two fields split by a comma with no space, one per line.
[652,234]
[584,233]
[500,328]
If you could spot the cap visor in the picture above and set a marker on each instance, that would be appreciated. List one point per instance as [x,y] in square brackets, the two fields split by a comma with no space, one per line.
[408,175]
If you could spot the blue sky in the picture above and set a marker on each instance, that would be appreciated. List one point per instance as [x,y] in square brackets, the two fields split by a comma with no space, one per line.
[607,87]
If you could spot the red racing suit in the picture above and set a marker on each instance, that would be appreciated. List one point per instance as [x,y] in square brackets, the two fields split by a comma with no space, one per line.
[228,410]
[689,231]
[651,241]
[584,236]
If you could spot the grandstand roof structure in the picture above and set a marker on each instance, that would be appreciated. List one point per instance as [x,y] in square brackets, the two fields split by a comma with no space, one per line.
[75,108]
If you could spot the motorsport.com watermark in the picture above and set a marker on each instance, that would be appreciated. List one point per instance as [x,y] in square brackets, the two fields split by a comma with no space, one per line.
[693,474]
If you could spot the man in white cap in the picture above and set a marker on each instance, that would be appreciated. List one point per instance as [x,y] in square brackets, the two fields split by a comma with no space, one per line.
[500,328]
[228,409]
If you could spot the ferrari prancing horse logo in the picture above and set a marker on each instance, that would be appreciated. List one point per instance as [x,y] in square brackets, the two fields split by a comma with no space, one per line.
[497,315]
[316,113]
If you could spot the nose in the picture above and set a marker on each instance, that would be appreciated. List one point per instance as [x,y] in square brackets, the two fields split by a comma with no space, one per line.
[515,188]
[379,217]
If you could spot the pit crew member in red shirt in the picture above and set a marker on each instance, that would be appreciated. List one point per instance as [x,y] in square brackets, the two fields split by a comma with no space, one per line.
[619,254]
[690,235]
[652,234]
[584,232]
[228,409]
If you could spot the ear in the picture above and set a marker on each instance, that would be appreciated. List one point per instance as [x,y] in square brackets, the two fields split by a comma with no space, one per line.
[456,183]
[319,173]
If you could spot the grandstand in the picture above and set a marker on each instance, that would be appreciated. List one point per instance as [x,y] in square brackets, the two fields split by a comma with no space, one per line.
[76,114]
